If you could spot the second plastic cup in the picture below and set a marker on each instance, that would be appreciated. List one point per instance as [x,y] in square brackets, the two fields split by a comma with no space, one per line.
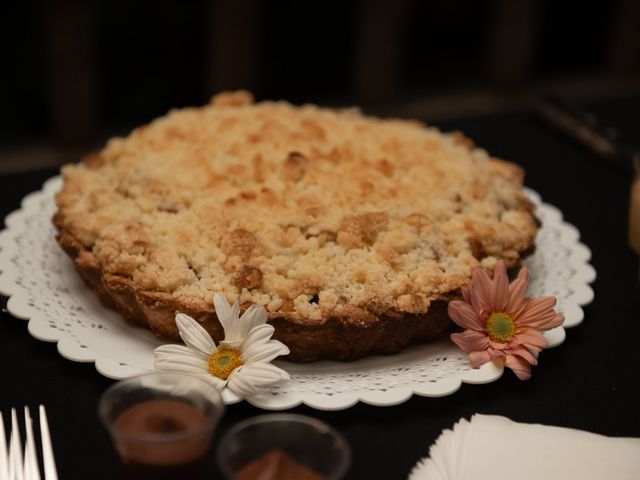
[262,440]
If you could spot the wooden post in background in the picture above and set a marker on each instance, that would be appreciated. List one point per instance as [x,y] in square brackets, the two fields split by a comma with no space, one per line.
[512,41]
[380,49]
[233,50]
[69,69]
[623,55]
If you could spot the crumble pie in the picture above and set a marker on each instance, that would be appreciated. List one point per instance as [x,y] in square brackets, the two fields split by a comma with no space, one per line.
[352,231]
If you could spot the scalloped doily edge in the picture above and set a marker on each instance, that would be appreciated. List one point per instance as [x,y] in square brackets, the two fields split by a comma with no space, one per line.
[71,349]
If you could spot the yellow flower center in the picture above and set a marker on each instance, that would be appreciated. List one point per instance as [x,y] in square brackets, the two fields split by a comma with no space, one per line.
[500,327]
[224,361]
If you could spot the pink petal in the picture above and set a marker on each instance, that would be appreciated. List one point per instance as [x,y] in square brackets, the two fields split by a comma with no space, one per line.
[530,337]
[550,320]
[556,322]
[521,368]
[537,311]
[544,323]
[481,286]
[500,290]
[494,354]
[477,359]
[518,290]
[523,353]
[498,345]
[533,349]
[464,315]
[479,304]
[470,340]
[465,294]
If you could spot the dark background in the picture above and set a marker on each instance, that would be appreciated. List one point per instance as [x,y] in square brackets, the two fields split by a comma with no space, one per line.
[76,72]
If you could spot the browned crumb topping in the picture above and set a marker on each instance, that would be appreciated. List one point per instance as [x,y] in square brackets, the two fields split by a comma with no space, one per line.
[296,208]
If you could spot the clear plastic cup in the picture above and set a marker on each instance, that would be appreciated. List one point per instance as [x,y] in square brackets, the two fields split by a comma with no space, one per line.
[161,424]
[307,441]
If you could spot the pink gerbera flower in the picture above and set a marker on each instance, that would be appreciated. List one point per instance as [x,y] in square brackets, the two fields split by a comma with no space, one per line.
[501,323]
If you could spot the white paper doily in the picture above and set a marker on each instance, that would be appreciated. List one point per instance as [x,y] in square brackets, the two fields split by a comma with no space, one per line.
[43,288]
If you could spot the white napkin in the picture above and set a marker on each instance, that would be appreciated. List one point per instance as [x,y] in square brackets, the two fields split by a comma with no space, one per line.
[496,448]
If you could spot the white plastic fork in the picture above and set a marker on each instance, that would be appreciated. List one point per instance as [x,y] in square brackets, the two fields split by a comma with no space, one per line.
[14,465]
[4,460]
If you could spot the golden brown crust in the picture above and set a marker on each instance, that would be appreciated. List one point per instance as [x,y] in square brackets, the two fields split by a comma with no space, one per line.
[353,232]
[350,333]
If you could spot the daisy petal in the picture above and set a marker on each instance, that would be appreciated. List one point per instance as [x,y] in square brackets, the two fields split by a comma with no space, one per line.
[194,335]
[179,351]
[470,340]
[464,315]
[261,374]
[249,380]
[518,290]
[190,366]
[234,345]
[264,353]
[240,385]
[227,316]
[500,291]
[257,336]
[520,367]
[215,381]
[252,317]
[221,305]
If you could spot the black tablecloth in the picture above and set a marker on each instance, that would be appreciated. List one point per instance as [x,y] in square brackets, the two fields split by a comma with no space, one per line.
[589,382]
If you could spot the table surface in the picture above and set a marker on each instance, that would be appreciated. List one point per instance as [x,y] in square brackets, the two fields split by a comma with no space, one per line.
[587,383]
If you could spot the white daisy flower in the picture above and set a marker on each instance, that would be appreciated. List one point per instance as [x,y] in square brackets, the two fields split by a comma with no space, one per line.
[242,361]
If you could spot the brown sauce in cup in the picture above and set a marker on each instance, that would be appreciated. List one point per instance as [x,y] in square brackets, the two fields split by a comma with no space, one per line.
[276,465]
[162,439]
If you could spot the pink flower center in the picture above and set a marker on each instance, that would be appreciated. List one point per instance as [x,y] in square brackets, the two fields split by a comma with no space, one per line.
[500,327]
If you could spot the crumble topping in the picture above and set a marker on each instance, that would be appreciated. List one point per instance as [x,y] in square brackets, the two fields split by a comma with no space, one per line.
[300,209]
